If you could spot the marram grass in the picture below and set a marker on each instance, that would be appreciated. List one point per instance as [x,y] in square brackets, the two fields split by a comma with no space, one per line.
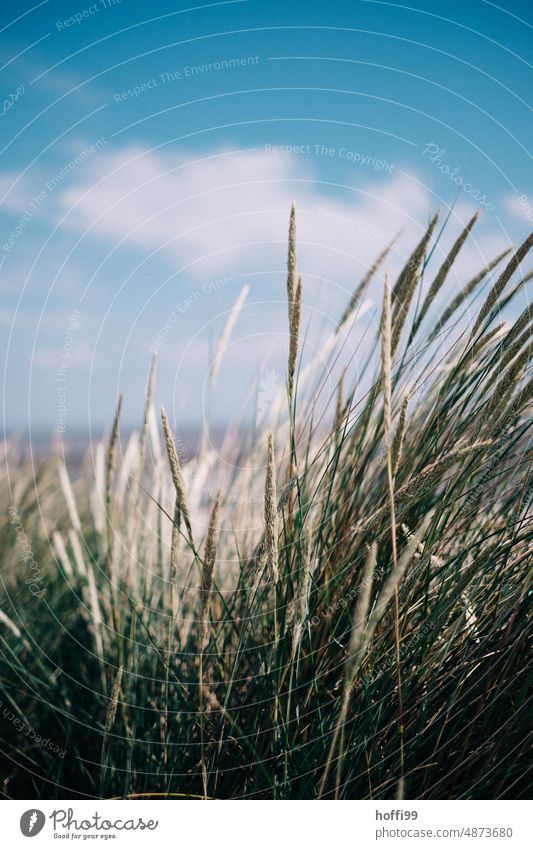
[349,617]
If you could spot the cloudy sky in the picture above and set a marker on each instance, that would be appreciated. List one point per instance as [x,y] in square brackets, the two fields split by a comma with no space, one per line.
[150,154]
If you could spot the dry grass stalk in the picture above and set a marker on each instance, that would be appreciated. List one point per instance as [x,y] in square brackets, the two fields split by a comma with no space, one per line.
[222,344]
[354,657]
[95,613]
[517,404]
[386,365]
[291,262]
[361,613]
[520,324]
[467,361]
[299,610]
[420,482]
[515,289]
[412,266]
[407,282]
[397,443]
[424,480]
[443,272]
[61,552]
[386,360]
[271,516]
[177,476]
[110,473]
[147,407]
[501,282]
[364,629]
[110,718]
[392,583]
[69,496]
[339,411]
[523,342]
[465,293]
[112,709]
[402,310]
[78,554]
[509,382]
[207,571]
[4,618]
[226,333]
[294,335]
[363,286]
[138,482]
[174,554]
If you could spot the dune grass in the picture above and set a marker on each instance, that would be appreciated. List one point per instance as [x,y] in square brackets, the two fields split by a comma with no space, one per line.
[344,615]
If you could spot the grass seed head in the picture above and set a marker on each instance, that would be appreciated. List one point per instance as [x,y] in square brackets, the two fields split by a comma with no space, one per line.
[271,515]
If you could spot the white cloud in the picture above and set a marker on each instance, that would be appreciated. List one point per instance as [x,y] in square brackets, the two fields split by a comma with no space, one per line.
[226,213]
[218,211]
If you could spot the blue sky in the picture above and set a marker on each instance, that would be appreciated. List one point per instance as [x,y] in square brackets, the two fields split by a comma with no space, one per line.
[150,153]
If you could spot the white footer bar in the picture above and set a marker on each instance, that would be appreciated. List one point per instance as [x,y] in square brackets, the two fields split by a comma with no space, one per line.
[267,825]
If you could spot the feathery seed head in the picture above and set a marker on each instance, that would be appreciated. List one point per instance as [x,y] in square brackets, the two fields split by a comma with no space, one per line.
[208,569]
[271,515]
[291,261]
[294,335]
[502,281]
[386,358]
[175,470]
